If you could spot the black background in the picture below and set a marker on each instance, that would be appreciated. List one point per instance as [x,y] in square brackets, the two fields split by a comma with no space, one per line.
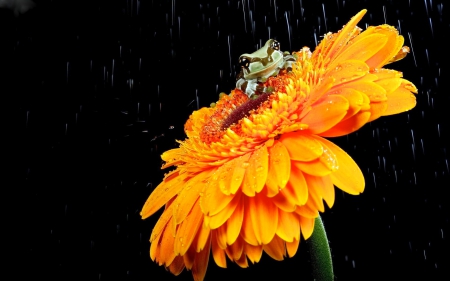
[100,89]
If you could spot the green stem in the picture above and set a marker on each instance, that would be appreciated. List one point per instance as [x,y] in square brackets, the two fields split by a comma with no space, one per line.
[320,253]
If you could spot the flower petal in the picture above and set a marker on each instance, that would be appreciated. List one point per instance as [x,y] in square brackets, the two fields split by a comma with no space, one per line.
[348,177]
[201,263]
[292,247]
[279,168]
[307,226]
[401,100]
[264,217]
[342,37]
[349,125]
[320,167]
[240,165]
[168,188]
[218,253]
[188,196]
[288,226]
[253,253]
[213,200]
[363,47]
[301,147]
[256,173]
[234,223]
[187,230]
[177,266]
[221,217]
[276,248]
[326,114]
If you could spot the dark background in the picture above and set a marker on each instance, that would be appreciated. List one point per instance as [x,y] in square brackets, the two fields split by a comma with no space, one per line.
[100,89]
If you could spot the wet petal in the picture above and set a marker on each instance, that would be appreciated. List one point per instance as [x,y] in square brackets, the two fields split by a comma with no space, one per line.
[348,176]
[279,168]
[326,114]
[301,147]
[171,185]
[187,230]
[256,173]
[399,101]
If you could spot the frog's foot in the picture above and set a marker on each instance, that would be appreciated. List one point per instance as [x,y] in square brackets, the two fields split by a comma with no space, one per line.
[247,86]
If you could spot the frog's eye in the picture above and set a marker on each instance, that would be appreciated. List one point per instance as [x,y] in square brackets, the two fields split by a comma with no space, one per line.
[244,62]
[275,45]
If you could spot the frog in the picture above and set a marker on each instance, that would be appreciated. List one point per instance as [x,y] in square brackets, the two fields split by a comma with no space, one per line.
[260,65]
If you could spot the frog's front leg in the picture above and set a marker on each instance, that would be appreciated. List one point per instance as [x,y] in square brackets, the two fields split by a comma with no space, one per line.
[249,87]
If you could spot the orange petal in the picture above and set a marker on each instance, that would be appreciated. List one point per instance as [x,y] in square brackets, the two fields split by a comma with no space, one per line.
[389,84]
[177,266]
[307,211]
[375,92]
[235,250]
[399,101]
[344,71]
[377,109]
[234,223]
[248,233]
[276,248]
[286,199]
[288,226]
[218,253]
[213,200]
[189,258]
[253,253]
[202,238]
[301,147]
[328,191]
[256,173]
[242,262]
[168,188]
[355,99]
[389,50]
[240,166]
[221,217]
[297,185]
[323,166]
[155,248]
[163,221]
[344,35]
[279,168]
[363,47]
[292,247]
[264,217]
[349,125]
[315,191]
[326,114]
[188,196]
[307,226]
[348,177]
[187,230]
[201,263]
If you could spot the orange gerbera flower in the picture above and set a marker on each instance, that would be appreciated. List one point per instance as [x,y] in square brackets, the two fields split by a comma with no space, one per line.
[252,174]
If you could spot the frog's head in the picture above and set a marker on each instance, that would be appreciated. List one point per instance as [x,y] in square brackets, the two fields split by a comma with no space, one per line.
[262,63]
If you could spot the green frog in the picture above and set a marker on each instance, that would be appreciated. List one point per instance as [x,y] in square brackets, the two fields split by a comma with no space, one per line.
[260,65]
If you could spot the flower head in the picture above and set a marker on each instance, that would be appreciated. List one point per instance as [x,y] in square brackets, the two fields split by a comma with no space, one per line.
[252,174]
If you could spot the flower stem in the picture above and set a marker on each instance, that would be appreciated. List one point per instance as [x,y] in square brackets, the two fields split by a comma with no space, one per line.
[320,253]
